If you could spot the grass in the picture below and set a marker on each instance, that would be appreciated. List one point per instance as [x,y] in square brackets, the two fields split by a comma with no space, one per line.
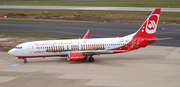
[27,20]
[23,20]
[35,35]
[110,16]
[109,3]
[4,49]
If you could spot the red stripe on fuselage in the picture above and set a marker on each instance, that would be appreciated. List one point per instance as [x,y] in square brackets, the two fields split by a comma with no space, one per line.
[135,43]
[42,56]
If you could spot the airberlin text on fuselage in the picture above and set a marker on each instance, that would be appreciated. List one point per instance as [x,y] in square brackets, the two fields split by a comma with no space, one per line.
[76,57]
[39,52]
[52,44]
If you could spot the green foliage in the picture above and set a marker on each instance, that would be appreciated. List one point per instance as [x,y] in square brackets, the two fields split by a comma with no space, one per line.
[110,16]
[110,3]
[4,49]
[27,20]
[35,35]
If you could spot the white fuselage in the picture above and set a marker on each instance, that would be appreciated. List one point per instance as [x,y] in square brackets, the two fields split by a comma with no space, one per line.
[51,47]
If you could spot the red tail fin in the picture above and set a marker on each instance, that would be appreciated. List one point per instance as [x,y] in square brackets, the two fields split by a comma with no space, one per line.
[148,28]
[87,34]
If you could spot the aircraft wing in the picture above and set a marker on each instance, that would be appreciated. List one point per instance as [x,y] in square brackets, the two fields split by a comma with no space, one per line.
[97,51]
[87,34]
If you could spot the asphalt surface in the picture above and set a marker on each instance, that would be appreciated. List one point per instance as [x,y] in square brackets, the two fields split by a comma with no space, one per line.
[153,66]
[90,8]
[98,30]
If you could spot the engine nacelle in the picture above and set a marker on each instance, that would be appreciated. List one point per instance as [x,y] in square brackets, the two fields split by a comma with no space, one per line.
[76,57]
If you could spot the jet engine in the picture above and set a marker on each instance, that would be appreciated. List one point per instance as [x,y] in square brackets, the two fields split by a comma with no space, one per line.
[76,57]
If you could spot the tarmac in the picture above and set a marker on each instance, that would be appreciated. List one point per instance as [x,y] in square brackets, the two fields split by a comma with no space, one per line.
[98,30]
[153,66]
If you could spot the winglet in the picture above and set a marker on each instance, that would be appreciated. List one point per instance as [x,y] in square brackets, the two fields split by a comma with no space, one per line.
[87,34]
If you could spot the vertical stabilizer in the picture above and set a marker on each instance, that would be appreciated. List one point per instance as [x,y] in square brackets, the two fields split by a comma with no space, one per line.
[148,28]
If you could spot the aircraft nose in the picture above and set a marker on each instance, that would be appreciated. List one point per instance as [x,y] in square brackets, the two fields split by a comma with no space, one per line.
[12,52]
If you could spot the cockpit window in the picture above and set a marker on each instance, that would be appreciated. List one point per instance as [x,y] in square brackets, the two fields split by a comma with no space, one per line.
[18,47]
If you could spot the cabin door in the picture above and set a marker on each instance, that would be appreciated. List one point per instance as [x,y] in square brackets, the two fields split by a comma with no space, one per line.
[30,49]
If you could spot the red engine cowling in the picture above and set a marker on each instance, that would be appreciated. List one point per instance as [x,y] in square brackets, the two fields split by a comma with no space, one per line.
[76,57]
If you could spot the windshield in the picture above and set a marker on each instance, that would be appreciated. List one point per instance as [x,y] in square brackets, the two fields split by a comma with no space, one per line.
[18,47]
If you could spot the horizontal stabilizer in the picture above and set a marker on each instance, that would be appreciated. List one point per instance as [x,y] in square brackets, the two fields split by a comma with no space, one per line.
[158,39]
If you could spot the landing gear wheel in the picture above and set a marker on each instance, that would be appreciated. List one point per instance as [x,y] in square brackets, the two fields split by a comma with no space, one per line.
[91,59]
[25,61]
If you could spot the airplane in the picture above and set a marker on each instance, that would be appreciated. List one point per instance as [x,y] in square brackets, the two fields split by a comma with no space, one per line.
[86,48]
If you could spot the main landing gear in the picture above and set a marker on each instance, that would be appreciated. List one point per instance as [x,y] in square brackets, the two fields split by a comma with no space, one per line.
[89,58]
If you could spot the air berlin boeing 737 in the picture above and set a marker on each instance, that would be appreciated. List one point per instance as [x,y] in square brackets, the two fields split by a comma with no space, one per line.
[82,49]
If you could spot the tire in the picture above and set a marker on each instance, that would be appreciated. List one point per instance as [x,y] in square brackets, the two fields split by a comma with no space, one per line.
[91,59]
[25,61]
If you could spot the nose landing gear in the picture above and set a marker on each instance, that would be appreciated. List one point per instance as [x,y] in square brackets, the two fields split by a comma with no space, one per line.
[23,58]
[25,61]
